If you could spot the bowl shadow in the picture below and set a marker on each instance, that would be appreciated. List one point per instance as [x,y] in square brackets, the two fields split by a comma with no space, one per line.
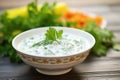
[34,75]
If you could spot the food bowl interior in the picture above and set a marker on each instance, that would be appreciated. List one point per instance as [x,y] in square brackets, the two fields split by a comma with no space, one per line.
[31,32]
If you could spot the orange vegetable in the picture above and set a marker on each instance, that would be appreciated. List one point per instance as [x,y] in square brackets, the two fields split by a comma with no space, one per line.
[98,19]
[80,18]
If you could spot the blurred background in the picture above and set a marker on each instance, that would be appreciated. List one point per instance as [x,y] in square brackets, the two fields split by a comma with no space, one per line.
[109,9]
[71,3]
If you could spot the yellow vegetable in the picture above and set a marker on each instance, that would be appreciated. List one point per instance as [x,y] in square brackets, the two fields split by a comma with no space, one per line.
[61,8]
[22,11]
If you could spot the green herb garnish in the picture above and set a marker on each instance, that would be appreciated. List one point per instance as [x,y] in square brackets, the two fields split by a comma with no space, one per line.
[104,38]
[51,35]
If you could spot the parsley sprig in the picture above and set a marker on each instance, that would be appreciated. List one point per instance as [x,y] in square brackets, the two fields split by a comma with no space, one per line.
[51,35]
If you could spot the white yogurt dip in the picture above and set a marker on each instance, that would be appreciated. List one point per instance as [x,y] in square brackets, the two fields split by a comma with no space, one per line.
[69,44]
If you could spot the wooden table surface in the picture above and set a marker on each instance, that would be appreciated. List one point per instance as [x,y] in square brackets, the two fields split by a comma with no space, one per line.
[93,68]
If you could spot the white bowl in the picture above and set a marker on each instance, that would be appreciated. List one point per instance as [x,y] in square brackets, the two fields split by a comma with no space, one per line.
[53,65]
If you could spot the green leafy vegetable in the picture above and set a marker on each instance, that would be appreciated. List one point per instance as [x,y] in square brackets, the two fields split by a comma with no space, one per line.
[51,35]
[104,38]
[9,28]
[116,47]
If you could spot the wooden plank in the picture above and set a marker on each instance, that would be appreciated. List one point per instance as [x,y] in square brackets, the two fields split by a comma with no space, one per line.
[61,78]
[117,37]
[103,78]
[92,68]
[112,17]
[98,9]
[113,54]
[5,3]
[13,3]
[94,8]
[99,65]
[113,28]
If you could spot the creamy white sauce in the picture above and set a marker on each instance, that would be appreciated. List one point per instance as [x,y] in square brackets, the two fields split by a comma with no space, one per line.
[69,44]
